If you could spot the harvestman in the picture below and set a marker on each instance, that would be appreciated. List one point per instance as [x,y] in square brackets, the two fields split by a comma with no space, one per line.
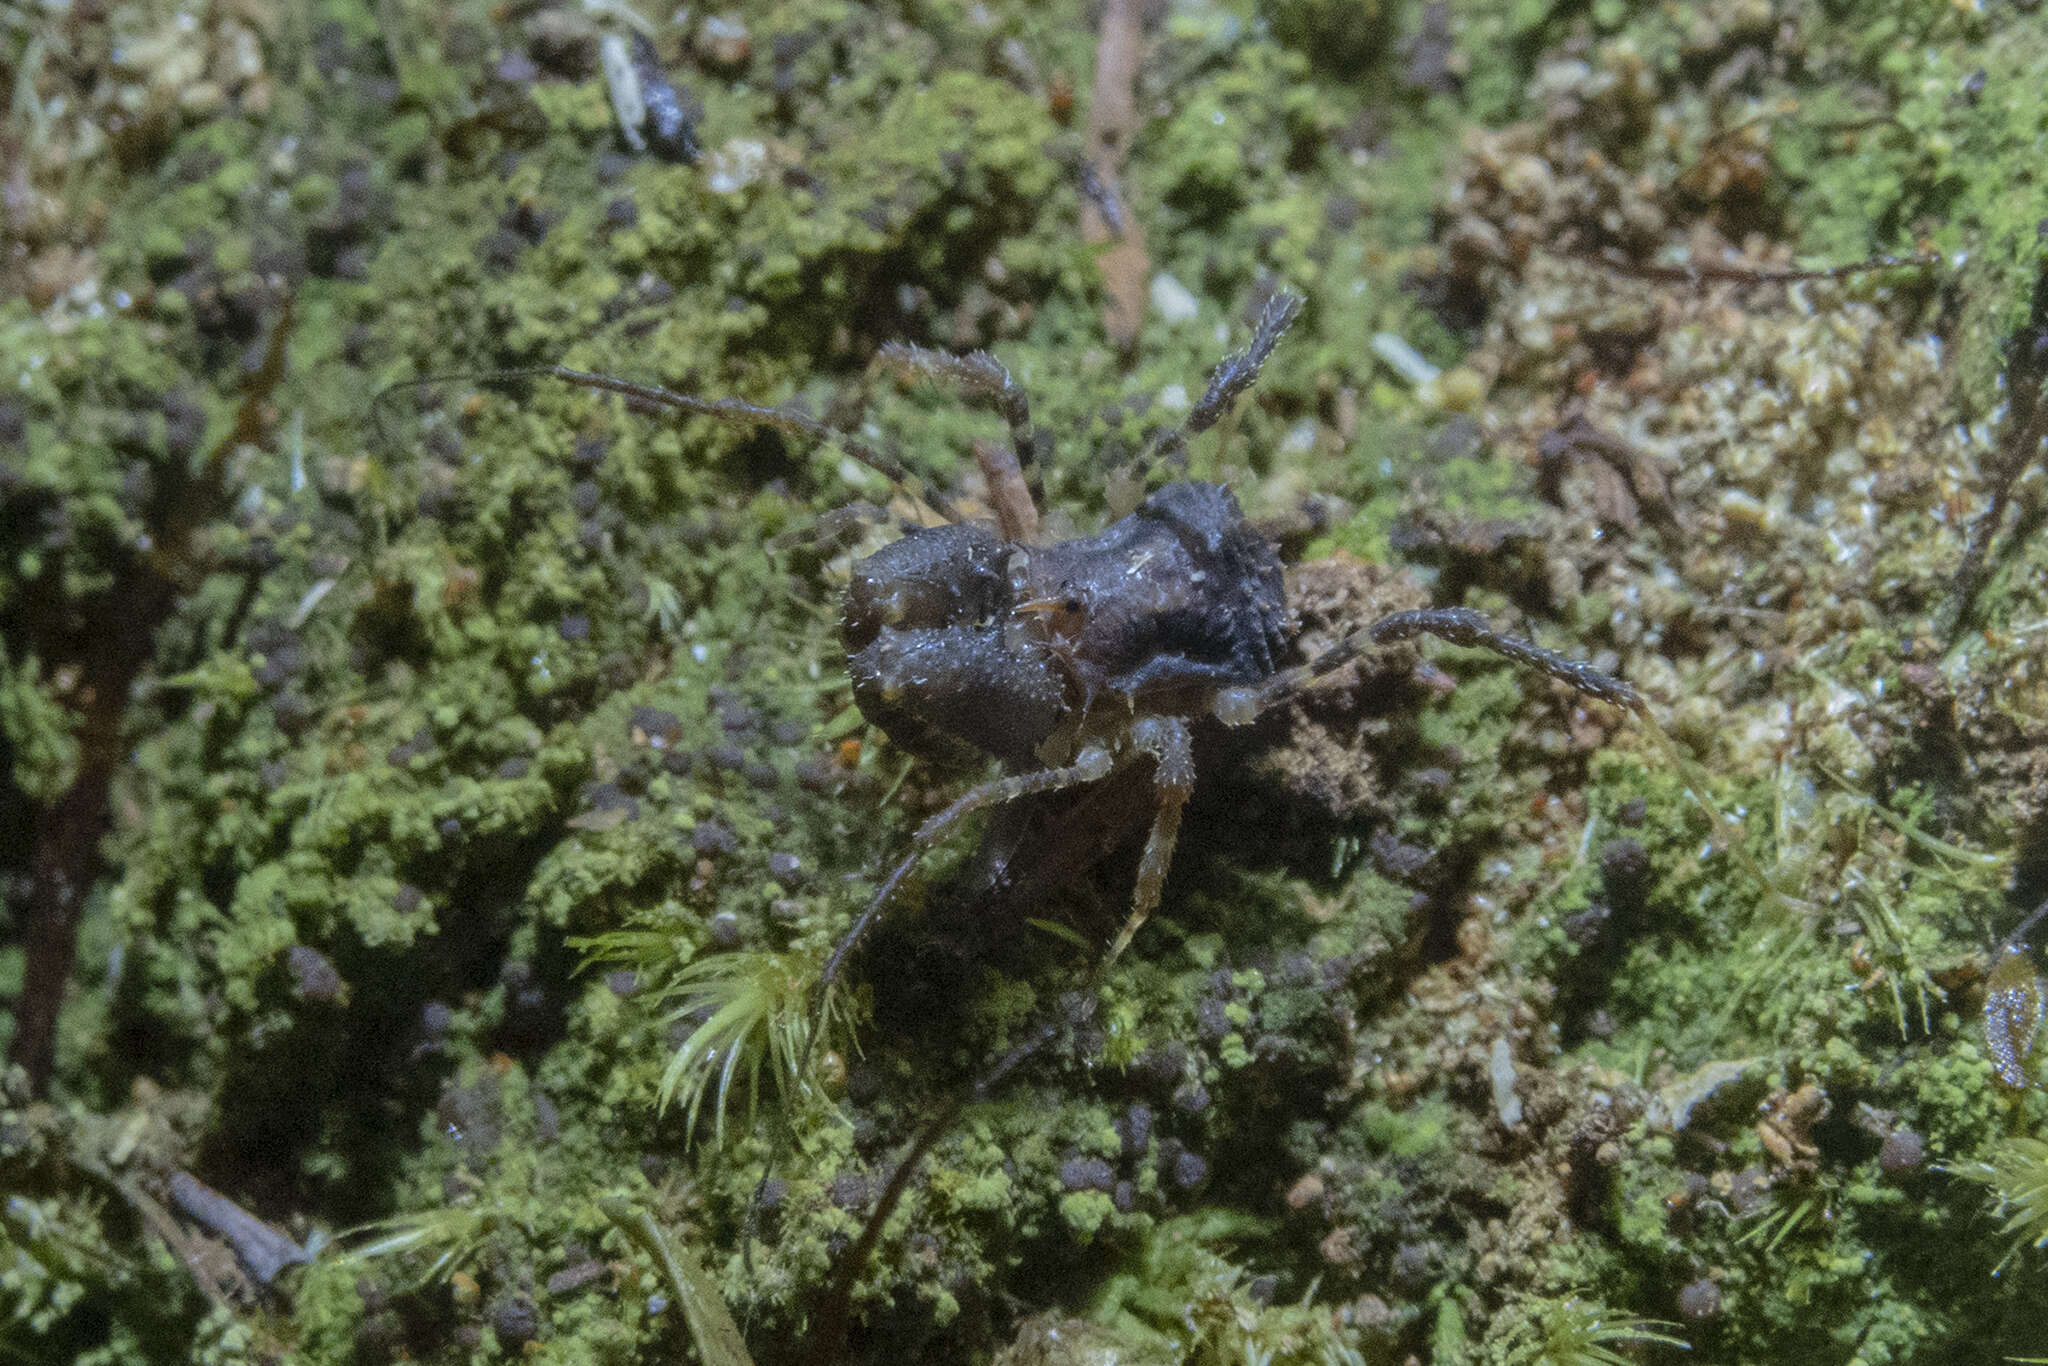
[1067,661]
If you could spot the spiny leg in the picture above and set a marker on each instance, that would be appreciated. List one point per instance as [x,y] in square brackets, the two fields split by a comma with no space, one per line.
[1091,765]
[1237,372]
[985,381]
[1166,739]
[1463,626]
[1459,626]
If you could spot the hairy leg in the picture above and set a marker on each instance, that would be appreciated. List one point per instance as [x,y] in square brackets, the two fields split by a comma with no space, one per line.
[1093,764]
[1237,372]
[1014,484]
[1458,625]
[1166,739]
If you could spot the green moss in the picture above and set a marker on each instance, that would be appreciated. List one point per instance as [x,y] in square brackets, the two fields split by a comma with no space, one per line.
[1085,1212]
[39,732]
[516,669]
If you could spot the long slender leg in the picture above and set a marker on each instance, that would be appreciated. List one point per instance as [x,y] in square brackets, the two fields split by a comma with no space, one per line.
[1231,378]
[979,377]
[1092,764]
[1458,625]
[1166,739]
[1014,483]
[732,410]
[1463,626]
[781,419]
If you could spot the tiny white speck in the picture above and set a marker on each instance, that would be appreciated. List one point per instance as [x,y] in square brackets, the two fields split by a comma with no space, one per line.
[1173,301]
[1403,359]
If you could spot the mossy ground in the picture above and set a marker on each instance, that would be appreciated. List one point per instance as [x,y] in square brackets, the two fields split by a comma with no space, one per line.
[1550,1006]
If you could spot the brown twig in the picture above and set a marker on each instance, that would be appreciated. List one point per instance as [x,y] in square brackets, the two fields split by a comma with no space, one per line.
[1714,272]
[1112,122]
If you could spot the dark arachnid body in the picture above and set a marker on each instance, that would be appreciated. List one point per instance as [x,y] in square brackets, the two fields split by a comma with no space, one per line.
[958,642]
[1069,661]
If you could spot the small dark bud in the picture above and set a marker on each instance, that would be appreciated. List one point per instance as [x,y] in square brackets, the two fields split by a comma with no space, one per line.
[1903,1152]
[849,1190]
[1699,1301]
[1134,1130]
[313,976]
[1584,928]
[516,1321]
[1087,1174]
[710,839]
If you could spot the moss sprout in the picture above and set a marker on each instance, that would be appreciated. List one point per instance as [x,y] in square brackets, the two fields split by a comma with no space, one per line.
[758,1018]
[1186,1295]
[712,1328]
[748,1014]
[2016,1170]
[1569,1330]
[444,1238]
[47,1261]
